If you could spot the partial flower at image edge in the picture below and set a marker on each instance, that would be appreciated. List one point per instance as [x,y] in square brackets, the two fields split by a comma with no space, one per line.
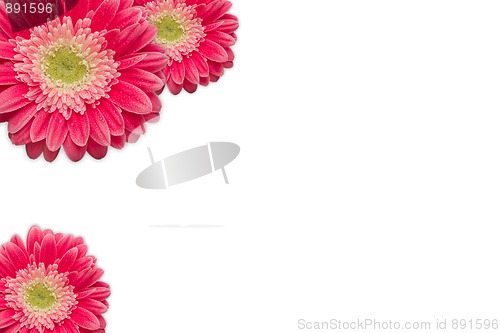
[50,284]
[90,79]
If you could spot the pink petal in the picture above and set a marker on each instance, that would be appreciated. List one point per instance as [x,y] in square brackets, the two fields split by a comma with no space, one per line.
[85,293]
[214,78]
[133,137]
[173,87]
[49,155]
[17,257]
[92,305]
[57,329]
[6,318]
[118,142]
[230,54]
[216,68]
[19,242]
[213,51]
[82,263]
[95,150]
[130,98]
[104,14]
[111,37]
[74,152]
[80,10]
[25,330]
[4,117]
[13,328]
[132,121]
[126,38]
[79,128]
[190,87]
[155,101]
[48,251]
[126,18]
[130,60]
[214,10]
[6,268]
[201,64]
[144,39]
[161,75]
[70,327]
[56,132]
[142,79]
[21,117]
[35,235]
[221,38]
[39,127]
[229,26]
[13,98]
[153,117]
[113,116]
[177,72]
[7,50]
[22,136]
[204,81]
[125,4]
[87,278]
[36,250]
[155,48]
[213,26]
[67,260]
[153,62]
[5,25]
[99,130]
[82,330]
[35,149]
[8,75]
[65,243]
[101,319]
[101,293]
[191,71]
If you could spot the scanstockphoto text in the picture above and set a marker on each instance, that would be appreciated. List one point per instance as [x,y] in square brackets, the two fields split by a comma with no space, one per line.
[372,324]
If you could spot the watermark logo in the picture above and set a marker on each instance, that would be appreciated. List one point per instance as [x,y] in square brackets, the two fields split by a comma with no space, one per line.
[188,165]
[26,14]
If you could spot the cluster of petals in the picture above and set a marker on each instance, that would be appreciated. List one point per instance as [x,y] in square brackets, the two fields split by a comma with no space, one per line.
[58,265]
[108,99]
[204,51]
[89,79]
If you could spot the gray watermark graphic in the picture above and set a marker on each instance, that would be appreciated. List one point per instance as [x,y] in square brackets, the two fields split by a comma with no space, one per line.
[188,165]
[372,324]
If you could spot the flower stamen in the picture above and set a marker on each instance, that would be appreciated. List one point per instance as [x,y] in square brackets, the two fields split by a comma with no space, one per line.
[41,297]
[169,29]
[179,30]
[65,67]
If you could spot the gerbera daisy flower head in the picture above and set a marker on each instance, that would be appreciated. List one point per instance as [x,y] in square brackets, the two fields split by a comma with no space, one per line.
[50,284]
[83,81]
[197,36]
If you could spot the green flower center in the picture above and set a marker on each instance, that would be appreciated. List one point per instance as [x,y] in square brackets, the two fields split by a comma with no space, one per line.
[40,297]
[65,65]
[169,29]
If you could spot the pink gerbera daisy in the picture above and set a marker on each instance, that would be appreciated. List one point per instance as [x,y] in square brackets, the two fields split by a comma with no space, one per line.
[83,81]
[50,285]
[197,36]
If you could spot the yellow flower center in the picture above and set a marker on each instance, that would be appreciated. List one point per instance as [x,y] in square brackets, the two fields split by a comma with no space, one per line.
[169,29]
[66,66]
[40,297]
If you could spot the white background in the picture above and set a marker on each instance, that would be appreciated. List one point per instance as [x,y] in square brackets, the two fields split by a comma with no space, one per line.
[367,185]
